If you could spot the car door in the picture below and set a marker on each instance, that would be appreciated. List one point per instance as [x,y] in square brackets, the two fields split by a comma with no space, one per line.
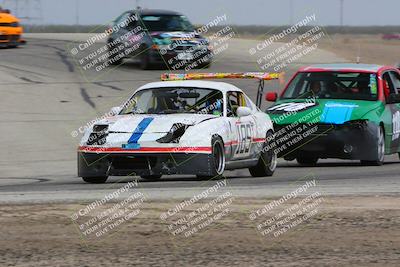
[243,128]
[394,107]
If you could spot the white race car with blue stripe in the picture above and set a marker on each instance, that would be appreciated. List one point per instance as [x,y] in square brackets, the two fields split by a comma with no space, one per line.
[179,127]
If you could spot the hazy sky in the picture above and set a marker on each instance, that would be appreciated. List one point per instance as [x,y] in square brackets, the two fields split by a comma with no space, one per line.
[260,12]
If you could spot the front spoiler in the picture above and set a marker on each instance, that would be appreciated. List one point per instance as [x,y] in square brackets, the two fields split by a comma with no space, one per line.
[331,141]
[12,43]
[138,164]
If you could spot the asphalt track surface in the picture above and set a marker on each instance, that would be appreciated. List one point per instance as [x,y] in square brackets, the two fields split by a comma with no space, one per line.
[45,97]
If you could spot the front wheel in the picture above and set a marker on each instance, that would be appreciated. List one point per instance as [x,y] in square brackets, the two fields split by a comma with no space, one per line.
[268,160]
[380,150]
[217,159]
[95,180]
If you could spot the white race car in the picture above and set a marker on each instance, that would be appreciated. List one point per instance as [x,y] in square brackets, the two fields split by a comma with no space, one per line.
[181,127]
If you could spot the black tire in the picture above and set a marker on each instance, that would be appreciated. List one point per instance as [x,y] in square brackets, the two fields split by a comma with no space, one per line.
[380,150]
[151,177]
[112,62]
[217,159]
[267,162]
[307,161]
[145,63]
[95,180]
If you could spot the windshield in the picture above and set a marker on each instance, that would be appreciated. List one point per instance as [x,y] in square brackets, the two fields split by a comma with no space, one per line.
[166,23]
[173,100]
[333,85]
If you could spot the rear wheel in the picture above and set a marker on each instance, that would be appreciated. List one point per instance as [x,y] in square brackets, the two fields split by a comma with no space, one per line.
[380,150]
[152,177]
[307,161]
[268,160]
[95,180]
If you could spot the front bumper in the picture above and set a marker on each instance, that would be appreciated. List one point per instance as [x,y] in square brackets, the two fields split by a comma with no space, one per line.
[356,141]
[138,164]
[11,40]
[171,57]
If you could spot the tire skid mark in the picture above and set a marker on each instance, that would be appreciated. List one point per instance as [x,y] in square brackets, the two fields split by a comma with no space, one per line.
[65,60]
[63,56]
[30,80]
[86,98]
[113,87]
[23,70]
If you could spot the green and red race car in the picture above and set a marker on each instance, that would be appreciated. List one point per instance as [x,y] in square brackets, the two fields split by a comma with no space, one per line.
[345,111]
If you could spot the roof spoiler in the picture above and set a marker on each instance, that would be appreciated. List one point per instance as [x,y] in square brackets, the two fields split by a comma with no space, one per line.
[261,76]
[220,75]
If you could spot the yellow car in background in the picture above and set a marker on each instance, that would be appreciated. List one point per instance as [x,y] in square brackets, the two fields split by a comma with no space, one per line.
[10,30]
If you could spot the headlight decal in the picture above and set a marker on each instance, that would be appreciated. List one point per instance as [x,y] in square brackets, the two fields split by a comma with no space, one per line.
[174,134]
[337,113]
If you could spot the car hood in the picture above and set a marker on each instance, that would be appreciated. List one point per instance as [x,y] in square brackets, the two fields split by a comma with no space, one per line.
[151,123]
[333,111]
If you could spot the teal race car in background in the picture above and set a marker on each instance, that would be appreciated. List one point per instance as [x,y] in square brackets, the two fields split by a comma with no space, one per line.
[345,111]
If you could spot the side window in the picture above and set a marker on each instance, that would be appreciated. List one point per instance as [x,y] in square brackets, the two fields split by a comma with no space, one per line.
[388,87]
[235,100]
[396,81]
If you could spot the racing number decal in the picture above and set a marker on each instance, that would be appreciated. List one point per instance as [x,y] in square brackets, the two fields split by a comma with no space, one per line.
[245,133]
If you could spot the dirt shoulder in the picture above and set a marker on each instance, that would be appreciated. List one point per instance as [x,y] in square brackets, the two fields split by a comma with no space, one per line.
[345,231]
[370,48]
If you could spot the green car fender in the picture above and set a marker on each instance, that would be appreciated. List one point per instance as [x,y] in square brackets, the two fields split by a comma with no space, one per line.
[338,112]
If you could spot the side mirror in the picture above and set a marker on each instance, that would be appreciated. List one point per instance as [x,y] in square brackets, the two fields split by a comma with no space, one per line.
[393,98]
[271,96]
[243,111]
[115,110]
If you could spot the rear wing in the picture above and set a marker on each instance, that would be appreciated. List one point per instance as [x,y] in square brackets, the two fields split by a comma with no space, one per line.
[261,76]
